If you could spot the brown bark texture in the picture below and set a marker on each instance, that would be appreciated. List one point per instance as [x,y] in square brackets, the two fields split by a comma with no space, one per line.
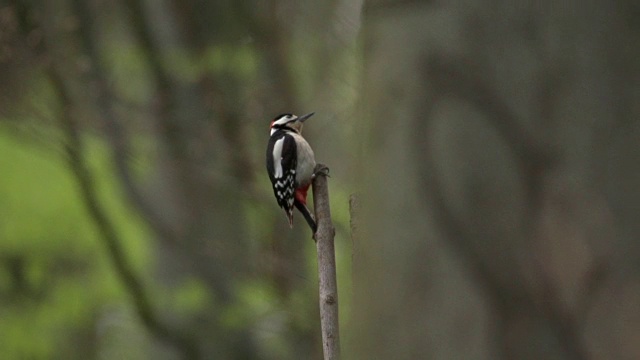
[328,284]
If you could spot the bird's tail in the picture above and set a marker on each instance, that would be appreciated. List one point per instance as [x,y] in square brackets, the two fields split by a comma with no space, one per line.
[307,215]
[290,216]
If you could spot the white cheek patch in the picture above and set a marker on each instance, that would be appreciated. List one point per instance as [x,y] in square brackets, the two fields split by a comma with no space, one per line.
[277,157]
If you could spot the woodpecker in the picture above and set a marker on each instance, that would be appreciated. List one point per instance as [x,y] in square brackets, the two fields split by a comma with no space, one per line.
[290,164]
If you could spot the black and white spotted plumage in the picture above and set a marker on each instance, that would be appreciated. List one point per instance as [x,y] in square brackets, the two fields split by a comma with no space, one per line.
[290,163]
[282,172]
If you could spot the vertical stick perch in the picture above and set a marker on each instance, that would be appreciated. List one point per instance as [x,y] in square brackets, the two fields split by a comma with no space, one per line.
[324,238]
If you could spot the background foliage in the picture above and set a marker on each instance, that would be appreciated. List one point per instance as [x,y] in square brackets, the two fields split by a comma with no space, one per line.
[491,149]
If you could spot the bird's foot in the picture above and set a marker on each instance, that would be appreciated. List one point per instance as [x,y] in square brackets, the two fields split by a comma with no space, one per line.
[321,170]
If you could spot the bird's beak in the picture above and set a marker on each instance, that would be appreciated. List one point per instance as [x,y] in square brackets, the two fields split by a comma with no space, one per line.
[305,117]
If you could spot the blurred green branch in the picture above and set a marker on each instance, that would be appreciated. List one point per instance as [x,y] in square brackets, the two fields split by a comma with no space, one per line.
[141,299]
[74,149]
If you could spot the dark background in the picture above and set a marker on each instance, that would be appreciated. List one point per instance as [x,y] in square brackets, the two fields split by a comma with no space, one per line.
[491,150]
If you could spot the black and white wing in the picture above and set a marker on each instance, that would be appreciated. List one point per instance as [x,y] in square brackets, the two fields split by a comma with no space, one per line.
[281,165]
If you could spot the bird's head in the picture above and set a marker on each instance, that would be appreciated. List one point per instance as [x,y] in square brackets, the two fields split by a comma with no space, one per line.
[289,121]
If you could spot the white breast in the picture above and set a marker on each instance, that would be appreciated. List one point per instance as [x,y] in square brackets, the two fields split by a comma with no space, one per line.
[306,161]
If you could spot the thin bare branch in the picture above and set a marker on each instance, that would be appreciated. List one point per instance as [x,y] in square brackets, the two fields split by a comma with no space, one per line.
[328,284]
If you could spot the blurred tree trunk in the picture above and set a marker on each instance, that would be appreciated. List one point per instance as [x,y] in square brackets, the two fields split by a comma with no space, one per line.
[191,204]
[502,207]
